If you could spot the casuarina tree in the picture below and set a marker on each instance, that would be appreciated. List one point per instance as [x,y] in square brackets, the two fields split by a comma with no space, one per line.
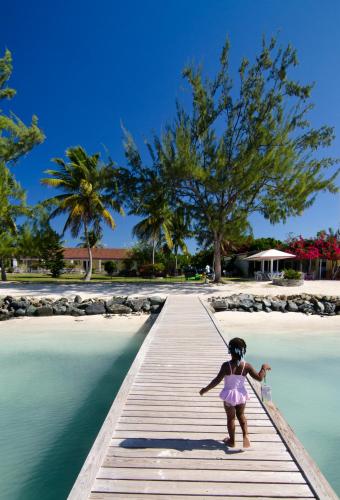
[246,146]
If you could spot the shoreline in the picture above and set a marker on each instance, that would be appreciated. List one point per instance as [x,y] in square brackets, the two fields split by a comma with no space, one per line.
[318,287]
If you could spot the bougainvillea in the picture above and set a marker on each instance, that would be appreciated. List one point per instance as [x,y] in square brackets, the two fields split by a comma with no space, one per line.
[323,246]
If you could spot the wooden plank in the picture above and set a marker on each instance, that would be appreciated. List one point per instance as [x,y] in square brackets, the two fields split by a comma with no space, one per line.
[200,464]
[187,429]
[198,487]
[219,415]
[187,421]
[278,453]
[211,475]
[146,496]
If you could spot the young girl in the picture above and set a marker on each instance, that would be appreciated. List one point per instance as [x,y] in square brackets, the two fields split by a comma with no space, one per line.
[234,393]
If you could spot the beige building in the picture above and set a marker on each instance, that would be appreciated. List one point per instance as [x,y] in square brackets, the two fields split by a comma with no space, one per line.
[77,260]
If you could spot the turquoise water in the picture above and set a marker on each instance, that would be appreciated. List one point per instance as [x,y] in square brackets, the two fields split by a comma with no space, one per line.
[305,387]
[55,390]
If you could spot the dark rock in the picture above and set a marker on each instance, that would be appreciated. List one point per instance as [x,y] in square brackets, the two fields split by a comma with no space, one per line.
[146,306]
[329,308]
[135,304]
[246,304]
[155,308]
[267,310]
[44,311]
[59,309]
[155,301]
[30,311]
[278,305]
[74,311]
[20,304]
[119,299]
[319,307]
[306,308]
[78,299]
[245,296]
[20,312]
[266,302]
[292,307]
[84,305]
[258,306]
[118,309]
[95,308]
[218,305]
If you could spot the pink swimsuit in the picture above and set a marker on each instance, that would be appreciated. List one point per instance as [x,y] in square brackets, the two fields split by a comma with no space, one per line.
[234,391]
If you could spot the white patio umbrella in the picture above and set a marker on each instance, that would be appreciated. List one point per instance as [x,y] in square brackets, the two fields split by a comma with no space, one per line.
[270,255]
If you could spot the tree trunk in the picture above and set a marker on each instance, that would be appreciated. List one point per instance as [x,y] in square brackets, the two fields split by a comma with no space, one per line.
[153,251]
[3,270]
[88,274]
[176,273]
[217,258]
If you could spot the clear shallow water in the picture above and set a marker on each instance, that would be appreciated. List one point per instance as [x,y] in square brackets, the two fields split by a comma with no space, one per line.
[55,391]
[305,385]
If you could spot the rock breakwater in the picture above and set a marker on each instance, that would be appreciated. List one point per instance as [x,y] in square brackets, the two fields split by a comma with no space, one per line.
[304,303]
[13,307]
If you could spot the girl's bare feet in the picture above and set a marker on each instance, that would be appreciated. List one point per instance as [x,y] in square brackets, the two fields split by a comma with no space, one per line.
[228,442]
[246,441]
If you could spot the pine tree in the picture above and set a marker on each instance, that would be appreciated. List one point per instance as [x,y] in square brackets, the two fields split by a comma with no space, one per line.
[51,252]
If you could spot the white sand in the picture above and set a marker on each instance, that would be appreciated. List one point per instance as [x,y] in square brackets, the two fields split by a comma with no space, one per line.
[85,290]
[238,323]
[128,324]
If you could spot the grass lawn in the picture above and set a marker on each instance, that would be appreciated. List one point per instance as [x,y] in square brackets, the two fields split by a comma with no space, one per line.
[96,278]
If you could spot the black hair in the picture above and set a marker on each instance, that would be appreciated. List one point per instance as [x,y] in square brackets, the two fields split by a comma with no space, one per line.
[237,348]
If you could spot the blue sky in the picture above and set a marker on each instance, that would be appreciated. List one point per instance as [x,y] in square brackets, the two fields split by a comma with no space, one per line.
[83,67]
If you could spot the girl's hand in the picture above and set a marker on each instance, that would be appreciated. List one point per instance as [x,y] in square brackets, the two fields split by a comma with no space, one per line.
[266,367]
[202,391]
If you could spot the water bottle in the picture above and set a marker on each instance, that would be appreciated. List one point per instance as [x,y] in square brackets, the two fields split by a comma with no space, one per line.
[266,392]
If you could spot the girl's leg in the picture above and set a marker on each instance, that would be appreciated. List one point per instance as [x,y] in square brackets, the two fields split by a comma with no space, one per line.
[230,411]
[243,423]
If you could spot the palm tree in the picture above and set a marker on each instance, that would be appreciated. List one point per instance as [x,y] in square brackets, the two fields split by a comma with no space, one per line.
[157,223]
[86,198]
[180,229]
[95,240]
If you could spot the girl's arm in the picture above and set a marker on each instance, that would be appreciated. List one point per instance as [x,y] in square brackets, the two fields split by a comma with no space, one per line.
[215,381]
[261,374]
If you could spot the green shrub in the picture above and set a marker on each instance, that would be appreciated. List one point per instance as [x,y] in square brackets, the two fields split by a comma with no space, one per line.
[110,267]
[291,274]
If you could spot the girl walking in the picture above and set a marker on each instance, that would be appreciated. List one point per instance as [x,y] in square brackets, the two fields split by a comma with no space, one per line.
[234,393]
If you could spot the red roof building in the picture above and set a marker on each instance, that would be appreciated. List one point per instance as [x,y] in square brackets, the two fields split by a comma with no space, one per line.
[97,254]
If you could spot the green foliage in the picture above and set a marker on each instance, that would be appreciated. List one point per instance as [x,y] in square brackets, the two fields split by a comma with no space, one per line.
[291,274]
[16,139]
[94,237]
[86,198]
[110,267]
[51,252]
[200,259]
[261,244]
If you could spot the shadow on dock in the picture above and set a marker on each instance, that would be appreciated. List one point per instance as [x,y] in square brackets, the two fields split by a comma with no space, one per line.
[178,444]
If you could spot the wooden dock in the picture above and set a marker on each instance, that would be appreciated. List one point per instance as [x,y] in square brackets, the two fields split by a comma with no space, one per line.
[161,440]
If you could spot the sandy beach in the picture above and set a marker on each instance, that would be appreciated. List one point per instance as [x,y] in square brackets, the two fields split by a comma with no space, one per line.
[128,324]
[236,323]
[322,287]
